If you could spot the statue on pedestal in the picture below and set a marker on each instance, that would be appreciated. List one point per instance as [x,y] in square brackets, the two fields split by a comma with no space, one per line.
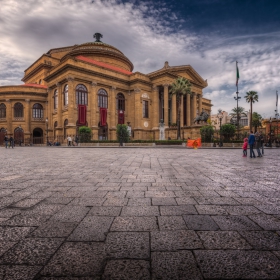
[161,130]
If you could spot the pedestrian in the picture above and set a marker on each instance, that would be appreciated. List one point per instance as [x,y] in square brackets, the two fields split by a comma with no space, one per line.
[258,144]
[12,143]
[251,142]
[6,139]
[244,147]
[69,139]
[262,142]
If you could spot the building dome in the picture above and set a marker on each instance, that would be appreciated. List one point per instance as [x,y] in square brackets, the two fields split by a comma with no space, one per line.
[102,52]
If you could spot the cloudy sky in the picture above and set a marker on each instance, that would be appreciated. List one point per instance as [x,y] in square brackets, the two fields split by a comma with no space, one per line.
[210,35]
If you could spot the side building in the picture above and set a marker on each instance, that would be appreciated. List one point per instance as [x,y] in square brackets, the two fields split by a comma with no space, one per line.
[93,84]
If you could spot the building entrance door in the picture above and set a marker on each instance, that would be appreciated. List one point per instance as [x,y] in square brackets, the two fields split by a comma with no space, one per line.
[103,132]
[38,136]
[19,135]
[2,135]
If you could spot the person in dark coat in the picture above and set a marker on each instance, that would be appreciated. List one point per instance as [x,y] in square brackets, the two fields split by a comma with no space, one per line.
[251,142]
[258,143]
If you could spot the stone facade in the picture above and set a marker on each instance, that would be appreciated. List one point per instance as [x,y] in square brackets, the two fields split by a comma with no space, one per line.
[97,75]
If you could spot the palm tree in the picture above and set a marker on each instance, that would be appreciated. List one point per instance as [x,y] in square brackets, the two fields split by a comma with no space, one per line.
[237,113]
[180,87]
[256,120]
[251,97]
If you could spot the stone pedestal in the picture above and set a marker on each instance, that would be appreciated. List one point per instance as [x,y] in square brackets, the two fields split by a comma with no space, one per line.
[161,131]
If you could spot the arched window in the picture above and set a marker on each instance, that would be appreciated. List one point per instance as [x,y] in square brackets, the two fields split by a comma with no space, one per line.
[18,110]
[102,98]
[55,96]
[2,111]
[66,95]
[120,102]
[55,124]
[81,95]
[37,111]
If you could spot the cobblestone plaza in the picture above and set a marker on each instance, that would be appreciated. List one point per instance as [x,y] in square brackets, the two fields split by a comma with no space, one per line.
[138,213]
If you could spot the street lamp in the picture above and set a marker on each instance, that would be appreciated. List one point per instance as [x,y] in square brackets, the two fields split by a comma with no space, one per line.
[47,124]
[220,117]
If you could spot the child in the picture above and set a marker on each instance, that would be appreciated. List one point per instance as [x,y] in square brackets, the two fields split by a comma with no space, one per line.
[245,145]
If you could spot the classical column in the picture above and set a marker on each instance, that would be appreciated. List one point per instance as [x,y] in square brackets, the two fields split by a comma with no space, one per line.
[165,104]
[112,103]
[188,106]
[199,103]
[194,106]
[9,116]
[174,113]
[59,106]
[27,116]
[182,111]
[155,99]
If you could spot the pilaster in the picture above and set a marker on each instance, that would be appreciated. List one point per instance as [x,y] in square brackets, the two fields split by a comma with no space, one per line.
[59,106]
[9,115]
[199,103]
[71,101]
[112,103]
[27,114]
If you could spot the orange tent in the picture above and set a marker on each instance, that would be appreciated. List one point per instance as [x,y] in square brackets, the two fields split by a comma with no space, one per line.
[196,143]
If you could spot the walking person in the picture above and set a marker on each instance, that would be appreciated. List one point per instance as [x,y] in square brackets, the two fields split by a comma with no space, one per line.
[262,142]
[6,139]
[12,142]
[244,147]
[251,142]
[258,144]
[69,139]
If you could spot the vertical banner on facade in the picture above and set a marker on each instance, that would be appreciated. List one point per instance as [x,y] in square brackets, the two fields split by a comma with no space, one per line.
[82,116]
[121,117]
[103,116]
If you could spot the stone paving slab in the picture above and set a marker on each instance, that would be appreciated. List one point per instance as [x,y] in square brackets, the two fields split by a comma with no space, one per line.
[158,213]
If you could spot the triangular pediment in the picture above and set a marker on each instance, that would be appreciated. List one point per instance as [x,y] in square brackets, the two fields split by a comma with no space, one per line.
[186,71]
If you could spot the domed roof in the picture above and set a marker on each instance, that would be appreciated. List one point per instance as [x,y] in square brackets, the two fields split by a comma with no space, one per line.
[102,52]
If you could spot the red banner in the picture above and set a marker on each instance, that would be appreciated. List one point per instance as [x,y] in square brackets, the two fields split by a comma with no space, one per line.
[103,116]
[82,115]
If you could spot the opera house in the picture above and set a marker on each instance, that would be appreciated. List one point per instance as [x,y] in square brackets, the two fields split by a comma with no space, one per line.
[93,84]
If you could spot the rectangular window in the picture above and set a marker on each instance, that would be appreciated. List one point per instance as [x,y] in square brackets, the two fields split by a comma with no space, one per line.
[145,109]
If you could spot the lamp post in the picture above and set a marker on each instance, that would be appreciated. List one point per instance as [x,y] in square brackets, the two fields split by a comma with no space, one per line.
[237,111]
[220,117]
[47,124]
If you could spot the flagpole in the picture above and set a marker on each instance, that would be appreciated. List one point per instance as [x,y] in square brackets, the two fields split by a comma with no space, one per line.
[237,98]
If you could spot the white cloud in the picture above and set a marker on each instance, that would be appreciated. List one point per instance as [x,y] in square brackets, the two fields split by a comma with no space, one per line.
[148,35]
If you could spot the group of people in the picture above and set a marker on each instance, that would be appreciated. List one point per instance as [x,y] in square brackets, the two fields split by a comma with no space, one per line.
[72,142]
[9,142]
[254,141]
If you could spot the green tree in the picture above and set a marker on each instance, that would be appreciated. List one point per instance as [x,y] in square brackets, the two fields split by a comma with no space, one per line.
[251,97]
[206,132]
[180,87]
[122,133]
[85,134]
[237,113]
[228,131]
[256,120]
